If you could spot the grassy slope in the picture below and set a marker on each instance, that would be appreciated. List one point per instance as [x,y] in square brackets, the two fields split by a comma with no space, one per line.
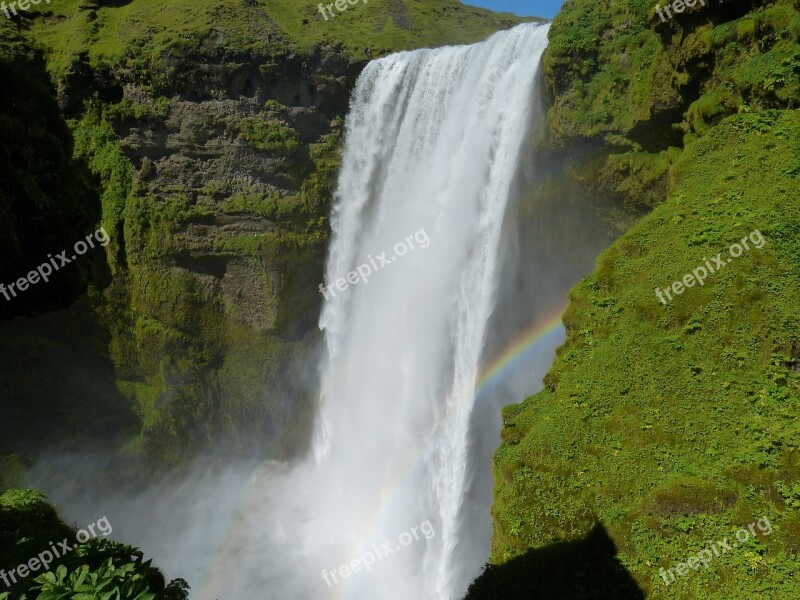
[673,425]
[677,424]
[613,67]
[151,25]
[643,88]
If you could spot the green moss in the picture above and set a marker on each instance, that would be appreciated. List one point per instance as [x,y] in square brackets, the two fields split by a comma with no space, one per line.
[746,29]
[640,177]
[264,207]
[629,92]
[139,33]
[707,110]
[269,134]
[98,145]
[249,244]
[144,397]
[156,221]
[128,109]
[773,77]
[612,70]
[674,424]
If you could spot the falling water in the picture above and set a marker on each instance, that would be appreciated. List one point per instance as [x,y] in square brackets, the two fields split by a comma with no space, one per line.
[433,142]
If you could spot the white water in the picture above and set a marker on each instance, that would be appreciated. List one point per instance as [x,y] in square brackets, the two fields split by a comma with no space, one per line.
[433,141]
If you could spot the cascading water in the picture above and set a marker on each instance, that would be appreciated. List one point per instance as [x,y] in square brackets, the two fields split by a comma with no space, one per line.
[433,142]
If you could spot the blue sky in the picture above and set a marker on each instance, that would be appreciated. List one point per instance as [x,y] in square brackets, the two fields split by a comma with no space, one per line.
[524,8]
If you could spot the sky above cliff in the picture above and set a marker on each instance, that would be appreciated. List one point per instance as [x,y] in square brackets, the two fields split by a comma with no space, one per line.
[524,8]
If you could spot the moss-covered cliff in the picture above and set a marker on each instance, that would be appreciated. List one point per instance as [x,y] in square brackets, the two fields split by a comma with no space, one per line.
[667,426]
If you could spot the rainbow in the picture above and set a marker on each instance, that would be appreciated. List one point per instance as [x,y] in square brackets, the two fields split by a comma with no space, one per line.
[498,366]
[519,347]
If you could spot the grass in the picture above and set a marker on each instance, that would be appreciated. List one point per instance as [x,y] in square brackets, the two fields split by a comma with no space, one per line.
[98,568]
[375,24]
[144,29]
[611,70]
[672,425]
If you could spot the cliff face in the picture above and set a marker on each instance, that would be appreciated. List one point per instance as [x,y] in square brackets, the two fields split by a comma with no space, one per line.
[207,134]
[231,162]
[215,194]
[666,425]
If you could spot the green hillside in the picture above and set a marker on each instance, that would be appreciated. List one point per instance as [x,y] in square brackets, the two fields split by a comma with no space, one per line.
[111,32]
[667,424]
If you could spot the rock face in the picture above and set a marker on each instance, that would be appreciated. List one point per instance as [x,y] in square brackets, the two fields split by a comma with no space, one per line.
[232,165]
[216,172]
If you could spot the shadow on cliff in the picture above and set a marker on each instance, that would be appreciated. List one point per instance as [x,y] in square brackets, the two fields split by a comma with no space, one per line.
[57,383]
[585,569]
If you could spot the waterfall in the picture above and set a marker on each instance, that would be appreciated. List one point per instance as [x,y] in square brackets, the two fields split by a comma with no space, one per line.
[432,149]
[433,141]
[393,500]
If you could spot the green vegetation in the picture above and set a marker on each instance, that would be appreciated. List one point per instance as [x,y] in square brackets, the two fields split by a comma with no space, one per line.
[385,26]
[252,204]
[667,425]
[672,425]
[98,145]
[633,77]
[622,81]
[128,109]
[96,569]
[138,33]
[269,134]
